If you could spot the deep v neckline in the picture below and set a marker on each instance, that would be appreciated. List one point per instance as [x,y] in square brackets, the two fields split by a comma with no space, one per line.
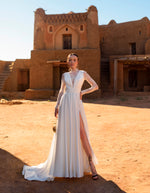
[74,78]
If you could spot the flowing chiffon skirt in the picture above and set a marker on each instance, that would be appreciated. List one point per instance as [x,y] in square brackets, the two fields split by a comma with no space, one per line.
[67,157]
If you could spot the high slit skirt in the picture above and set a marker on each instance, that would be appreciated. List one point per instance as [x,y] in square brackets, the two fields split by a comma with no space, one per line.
[67,157]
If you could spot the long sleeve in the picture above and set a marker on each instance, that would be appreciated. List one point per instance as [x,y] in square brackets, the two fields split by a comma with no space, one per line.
[61,90]
[94,85]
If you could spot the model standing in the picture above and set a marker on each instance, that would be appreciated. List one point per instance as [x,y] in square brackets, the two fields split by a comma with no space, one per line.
[71,153]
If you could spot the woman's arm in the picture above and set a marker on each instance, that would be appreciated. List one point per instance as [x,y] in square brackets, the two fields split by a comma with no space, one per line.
[61,91]
[94,85]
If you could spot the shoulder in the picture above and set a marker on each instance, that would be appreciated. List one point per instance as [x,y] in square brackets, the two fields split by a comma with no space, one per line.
[63,74]
[84,74]
[83,71]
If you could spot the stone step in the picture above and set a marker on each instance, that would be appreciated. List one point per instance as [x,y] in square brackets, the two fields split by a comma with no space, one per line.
[6,72]
[4,75]
[1,84]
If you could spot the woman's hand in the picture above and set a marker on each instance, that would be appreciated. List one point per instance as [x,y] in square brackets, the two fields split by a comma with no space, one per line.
[56,112]
[81,95]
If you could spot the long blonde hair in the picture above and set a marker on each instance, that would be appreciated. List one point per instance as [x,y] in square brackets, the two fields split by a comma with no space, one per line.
[71,54]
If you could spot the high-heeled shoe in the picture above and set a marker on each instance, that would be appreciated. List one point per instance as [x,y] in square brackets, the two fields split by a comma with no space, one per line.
[95,175]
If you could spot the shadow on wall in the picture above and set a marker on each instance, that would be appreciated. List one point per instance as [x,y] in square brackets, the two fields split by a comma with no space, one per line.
[12,180]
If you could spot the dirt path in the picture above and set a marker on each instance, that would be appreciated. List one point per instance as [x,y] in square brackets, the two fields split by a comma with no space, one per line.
[120,136]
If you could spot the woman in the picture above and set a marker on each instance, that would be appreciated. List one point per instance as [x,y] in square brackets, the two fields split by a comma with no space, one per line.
[71,153]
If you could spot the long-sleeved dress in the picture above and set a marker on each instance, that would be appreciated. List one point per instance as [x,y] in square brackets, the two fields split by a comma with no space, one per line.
[67,157]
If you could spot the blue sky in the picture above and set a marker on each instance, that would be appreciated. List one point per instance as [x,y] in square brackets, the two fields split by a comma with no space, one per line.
[17,19]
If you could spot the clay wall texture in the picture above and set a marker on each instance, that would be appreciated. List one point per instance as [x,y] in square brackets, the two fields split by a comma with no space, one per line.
[12,82]
[115,39]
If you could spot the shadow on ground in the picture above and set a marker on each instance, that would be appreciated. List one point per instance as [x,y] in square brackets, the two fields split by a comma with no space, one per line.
[12,180]
[127,101]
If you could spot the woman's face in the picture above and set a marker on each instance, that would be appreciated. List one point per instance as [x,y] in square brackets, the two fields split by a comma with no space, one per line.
[73,61]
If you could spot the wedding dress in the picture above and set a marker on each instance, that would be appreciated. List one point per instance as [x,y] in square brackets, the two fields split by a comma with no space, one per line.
[67,157]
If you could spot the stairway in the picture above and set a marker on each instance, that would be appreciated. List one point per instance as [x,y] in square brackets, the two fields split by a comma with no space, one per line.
[4,75]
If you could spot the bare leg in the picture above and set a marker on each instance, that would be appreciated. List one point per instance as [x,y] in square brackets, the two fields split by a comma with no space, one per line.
[86,145]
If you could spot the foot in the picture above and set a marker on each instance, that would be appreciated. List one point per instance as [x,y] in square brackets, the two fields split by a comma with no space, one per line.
[93,169]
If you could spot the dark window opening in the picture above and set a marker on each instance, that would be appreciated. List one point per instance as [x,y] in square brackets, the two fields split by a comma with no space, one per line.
[133,78]
[66,29]
[67,41]
[81,27]
[50,29]
[133,48]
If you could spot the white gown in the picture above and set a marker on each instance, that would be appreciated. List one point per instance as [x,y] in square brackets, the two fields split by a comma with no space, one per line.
[67,157]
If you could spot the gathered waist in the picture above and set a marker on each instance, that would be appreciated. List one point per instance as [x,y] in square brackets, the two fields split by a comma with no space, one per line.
[71,90]
[75,92]
[72,94]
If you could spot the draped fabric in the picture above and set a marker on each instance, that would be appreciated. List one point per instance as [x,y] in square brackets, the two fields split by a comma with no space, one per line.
[67,157]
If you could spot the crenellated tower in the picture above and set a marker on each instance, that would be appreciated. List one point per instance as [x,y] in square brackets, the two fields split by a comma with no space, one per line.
[72,30]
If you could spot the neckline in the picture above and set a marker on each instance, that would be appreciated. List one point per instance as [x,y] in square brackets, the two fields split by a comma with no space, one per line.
[74,78]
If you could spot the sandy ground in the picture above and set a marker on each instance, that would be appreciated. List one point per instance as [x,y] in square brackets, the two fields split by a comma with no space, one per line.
[119,133]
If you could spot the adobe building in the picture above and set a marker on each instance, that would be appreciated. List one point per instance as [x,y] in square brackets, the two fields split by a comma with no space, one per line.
[125,56]
[117,56]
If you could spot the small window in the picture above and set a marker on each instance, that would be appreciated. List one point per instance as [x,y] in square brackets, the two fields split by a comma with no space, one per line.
[81,27]
[50,29]
[133,48]
[67,41]
[66,29]
[140,32]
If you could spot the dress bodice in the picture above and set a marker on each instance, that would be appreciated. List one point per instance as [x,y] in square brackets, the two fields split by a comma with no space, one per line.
[76,85]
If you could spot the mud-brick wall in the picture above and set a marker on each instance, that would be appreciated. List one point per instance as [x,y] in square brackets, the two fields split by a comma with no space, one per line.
[41,72]
[116,38]
[12,83]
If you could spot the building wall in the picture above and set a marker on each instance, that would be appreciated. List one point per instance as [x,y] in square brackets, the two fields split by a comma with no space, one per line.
[41,72]
[115,38]
[48,29]
[12,83]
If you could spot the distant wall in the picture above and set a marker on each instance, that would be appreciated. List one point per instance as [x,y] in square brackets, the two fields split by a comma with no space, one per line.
[115,38]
